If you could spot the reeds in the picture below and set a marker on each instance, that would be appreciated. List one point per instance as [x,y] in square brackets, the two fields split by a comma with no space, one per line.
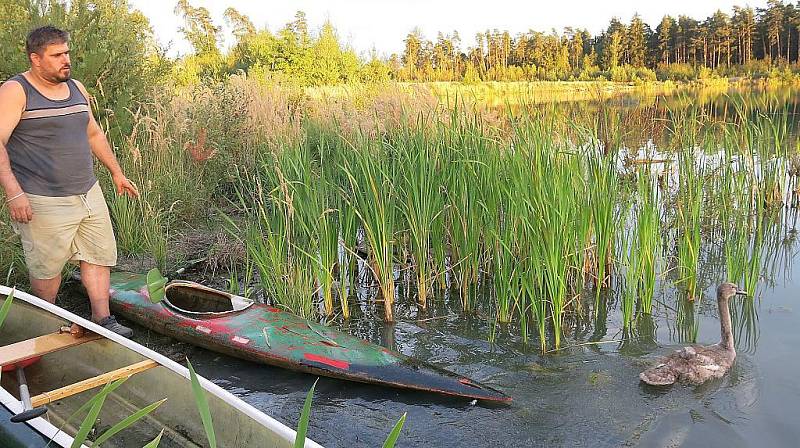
[421,202]
[372,194]
[649,245]
[516,212]
[604,198]
[689,209]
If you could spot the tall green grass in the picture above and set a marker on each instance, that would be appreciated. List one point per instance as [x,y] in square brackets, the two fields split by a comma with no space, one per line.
[514,210]
[649,243]
[689,218]
[604,198]
[421,202]
[373,196]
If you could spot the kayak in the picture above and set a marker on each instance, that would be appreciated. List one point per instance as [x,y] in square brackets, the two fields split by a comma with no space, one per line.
[63,370]
[239,327]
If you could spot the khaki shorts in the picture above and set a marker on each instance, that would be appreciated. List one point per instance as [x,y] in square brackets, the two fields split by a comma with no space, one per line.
[70,228]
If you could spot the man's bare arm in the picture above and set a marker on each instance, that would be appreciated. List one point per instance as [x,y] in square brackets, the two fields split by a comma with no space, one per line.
[12,104]
[102,150]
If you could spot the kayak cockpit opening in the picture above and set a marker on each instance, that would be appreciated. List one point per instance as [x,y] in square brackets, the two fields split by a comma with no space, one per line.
[193,298]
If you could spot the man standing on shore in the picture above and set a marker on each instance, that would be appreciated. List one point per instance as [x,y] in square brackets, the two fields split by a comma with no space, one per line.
[47,138]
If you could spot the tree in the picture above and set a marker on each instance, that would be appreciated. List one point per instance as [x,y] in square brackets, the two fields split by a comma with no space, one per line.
[611,43]
[200,31]
[198,28]
[411,53]
[744,26]
[666,39]
[720,35]
[636,42]
[773,18]
[375,71]
[240,23]
[576,49]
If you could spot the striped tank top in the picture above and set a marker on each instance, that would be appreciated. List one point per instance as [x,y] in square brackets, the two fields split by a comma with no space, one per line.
[49,149]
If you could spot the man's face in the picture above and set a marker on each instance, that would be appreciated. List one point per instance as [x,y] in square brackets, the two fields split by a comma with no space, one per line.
[53,63]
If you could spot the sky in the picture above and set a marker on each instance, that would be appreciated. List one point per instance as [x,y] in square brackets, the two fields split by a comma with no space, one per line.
[383,25]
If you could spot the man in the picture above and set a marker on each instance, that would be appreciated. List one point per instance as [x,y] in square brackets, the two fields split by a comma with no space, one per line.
[47,138]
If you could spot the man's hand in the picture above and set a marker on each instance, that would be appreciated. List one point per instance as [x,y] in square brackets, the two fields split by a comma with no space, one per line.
[20,210]
[124,186]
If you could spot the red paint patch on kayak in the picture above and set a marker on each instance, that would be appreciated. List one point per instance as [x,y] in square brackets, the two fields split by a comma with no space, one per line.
[339,364]
[273,309]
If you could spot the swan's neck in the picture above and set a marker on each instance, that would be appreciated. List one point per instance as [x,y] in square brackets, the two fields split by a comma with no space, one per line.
[725,324]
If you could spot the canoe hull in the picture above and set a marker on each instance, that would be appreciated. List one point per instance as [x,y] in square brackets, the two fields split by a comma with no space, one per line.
[30,317]
[270,336]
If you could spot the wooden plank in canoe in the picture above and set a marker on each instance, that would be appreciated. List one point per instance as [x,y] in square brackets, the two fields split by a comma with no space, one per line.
[42,345]
[91,383]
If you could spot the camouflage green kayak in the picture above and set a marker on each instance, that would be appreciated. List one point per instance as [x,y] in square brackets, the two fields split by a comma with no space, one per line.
[239,327]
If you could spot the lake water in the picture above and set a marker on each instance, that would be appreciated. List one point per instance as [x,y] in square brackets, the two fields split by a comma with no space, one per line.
[587,394]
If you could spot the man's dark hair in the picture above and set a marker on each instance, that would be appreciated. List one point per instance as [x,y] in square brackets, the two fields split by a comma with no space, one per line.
[43,36]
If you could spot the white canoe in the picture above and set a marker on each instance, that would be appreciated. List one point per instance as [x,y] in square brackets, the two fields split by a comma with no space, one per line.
[237,424]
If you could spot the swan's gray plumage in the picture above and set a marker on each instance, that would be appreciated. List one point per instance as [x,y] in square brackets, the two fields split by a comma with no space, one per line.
[697,364]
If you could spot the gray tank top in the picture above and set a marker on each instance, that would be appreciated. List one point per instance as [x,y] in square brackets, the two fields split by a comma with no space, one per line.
[49,149]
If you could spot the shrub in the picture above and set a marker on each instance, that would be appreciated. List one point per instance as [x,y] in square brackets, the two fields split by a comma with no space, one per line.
[113,51]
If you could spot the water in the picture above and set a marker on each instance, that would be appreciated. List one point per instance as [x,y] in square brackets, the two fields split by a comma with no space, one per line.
[585,395]
[588,394]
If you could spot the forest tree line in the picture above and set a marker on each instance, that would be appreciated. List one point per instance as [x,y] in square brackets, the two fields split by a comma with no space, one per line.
[743,42]
[115,44]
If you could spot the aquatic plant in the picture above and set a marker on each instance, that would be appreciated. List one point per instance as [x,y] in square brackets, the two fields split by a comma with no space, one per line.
[284,274]
[202,406]
[604,190]
[305,414]
[421,202]
[689,208]
[632,275]
[373,197]
[649,244]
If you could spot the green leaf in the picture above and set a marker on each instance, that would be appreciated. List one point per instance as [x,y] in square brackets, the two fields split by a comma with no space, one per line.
[302,425]
[91,417]
[202,406]
[110,387]
[392,439]
[155,441]
[6,307]
[133,418]
[156,285]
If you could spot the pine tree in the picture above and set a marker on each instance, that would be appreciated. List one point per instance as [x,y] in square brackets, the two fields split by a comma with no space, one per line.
[636,42]
[666,39]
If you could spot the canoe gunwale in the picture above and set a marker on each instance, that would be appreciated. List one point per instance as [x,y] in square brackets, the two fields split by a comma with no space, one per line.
[269,422]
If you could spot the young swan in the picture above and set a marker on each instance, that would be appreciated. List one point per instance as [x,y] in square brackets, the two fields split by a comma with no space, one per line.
[697,364]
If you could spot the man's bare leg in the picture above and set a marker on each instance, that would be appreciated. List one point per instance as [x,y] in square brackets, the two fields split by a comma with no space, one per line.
[47,288]
[97,281]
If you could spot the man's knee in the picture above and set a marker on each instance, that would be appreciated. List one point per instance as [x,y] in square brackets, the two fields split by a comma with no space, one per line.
[46,289]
